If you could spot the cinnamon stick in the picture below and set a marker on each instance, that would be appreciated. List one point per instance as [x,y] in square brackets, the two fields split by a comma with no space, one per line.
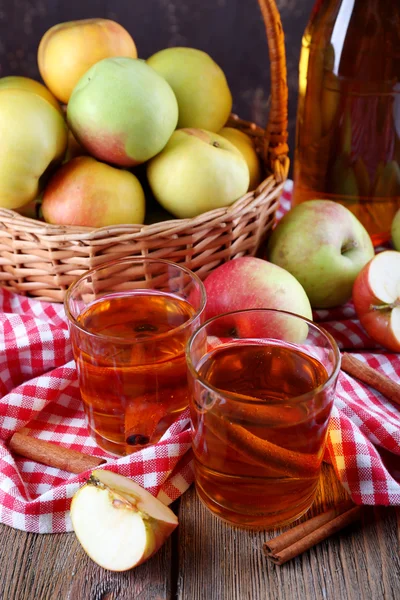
[295,534]
[147,417]
[366,374]
[304,536]
[284,462]
[53,455]
[246,410]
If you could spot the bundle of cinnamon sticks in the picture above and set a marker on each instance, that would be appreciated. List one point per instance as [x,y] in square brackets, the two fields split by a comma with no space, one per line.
[304,536]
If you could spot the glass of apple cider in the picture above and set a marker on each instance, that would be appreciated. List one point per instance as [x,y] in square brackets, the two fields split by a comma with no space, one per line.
[129,323]
[262,387]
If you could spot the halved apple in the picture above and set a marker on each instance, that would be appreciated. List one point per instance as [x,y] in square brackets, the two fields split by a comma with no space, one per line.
[376,297]
[119,524]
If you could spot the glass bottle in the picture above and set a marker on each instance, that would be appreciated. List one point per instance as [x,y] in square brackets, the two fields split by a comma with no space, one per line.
[348,119]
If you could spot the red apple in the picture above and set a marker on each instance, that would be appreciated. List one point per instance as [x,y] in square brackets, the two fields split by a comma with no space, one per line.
[89,193]
[248,282]
[376,297]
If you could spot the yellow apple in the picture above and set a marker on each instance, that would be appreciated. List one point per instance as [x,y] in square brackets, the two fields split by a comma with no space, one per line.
[33,137]
[89,193]
[68,50]
[199,84]
[245,145]
[197,171]
[16,82]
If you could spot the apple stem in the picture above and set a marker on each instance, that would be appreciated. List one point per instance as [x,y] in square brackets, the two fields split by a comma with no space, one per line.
[348,246]
[96,482]
[390,306]
[216,144]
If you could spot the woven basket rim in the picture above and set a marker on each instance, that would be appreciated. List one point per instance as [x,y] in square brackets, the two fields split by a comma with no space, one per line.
[247,203]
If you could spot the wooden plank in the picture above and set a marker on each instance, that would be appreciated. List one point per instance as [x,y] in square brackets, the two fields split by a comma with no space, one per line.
[217,561]
[206,558]
[55,567]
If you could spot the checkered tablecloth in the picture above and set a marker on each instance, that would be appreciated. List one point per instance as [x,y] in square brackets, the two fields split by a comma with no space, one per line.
[40,395]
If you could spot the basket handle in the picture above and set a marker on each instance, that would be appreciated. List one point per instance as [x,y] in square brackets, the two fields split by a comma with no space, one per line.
[276,131]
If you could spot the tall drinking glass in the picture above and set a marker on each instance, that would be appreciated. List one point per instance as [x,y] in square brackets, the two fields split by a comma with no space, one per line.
[129,322]
[262,387]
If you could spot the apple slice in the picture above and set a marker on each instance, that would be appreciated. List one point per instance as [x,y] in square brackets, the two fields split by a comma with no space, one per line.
[119,524]
[376,297]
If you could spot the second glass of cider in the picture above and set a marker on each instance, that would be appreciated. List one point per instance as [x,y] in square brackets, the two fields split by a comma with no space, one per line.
[262,384]
[129,321]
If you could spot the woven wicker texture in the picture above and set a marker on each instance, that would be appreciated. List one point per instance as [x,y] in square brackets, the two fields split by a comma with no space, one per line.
[42,260]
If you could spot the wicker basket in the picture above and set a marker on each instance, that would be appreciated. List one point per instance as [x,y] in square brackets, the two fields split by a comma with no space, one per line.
[42,260]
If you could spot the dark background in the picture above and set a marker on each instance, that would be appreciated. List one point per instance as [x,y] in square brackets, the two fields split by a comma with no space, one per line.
[231,31]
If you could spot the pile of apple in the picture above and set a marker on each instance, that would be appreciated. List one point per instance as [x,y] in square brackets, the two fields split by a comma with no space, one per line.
[77,144]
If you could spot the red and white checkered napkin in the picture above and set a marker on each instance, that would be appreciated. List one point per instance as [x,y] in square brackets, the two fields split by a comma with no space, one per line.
[364,433]
[39,392]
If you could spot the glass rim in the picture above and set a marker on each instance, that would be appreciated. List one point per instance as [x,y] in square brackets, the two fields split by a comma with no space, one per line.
[232,395]
[116,339]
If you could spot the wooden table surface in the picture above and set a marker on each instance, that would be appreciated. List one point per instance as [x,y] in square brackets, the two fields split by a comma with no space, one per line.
[206,559]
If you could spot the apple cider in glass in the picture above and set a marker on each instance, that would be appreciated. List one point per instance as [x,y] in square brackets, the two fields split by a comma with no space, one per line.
[129,349]
[260,409]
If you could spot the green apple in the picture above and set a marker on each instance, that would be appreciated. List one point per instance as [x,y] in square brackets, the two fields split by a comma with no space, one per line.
[197,171]
[89,193]
[325,247]
[244,144]
[118,523]
[33,138]
[396,231]
[122,111]
[199,84]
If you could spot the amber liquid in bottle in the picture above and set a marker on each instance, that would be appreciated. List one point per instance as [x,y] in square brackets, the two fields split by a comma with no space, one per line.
[348,120]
